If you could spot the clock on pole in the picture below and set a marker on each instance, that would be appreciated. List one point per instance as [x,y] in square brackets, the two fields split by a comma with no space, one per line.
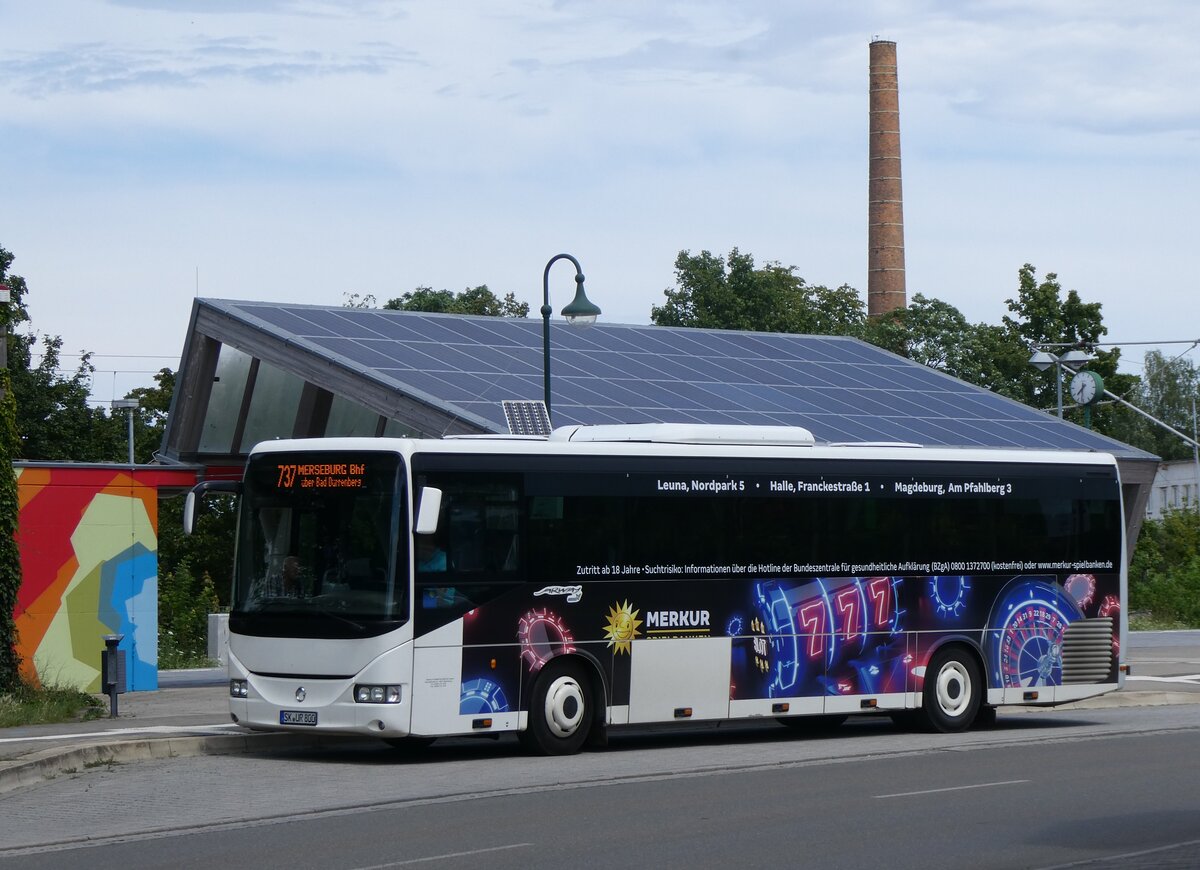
[1086,387]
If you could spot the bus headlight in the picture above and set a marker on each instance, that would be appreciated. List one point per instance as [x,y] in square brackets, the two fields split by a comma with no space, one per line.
[376,694]
[238,689]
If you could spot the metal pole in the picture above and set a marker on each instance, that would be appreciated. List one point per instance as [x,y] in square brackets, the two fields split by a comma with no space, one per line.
[130,412]
[546,323]
[1150,417]
[1058,371]
[1195,457]
[546,342]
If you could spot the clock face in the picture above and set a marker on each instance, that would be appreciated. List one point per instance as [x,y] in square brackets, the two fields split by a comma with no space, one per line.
[1084,387]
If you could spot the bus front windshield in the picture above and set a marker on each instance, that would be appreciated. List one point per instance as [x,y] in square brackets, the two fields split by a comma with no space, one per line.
[317,546]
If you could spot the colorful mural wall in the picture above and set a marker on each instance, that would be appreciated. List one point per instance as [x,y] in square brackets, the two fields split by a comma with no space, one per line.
[88,536]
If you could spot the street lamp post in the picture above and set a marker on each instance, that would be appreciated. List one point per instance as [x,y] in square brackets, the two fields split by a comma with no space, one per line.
[1042,360]
[128,406]
[580,312]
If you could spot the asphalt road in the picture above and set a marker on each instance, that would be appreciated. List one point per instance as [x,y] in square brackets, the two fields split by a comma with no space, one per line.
[1042,789]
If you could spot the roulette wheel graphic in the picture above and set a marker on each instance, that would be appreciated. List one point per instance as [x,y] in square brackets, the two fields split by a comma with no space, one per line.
[1026,633]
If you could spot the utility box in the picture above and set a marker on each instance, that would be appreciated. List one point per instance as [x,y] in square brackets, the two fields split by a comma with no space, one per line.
[218,638]
[112,670]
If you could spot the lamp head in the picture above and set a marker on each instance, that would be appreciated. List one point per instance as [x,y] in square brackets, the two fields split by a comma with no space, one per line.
[1042,360]
[1076,356]
[581,311]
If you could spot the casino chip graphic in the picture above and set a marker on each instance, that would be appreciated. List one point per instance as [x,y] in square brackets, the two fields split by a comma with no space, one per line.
[481,696]
[949,595]
[1081,587]
[543,635]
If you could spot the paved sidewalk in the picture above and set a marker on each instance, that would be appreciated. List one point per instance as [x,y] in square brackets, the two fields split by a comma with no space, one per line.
[183,718]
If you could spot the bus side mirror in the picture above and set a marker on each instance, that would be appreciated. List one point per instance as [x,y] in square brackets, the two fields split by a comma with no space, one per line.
[198,491]
[428,510]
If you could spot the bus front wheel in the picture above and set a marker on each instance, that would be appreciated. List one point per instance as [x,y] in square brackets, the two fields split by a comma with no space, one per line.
[953,690]
[560,712]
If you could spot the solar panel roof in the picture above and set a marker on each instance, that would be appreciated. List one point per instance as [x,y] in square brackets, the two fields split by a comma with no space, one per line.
[841,389]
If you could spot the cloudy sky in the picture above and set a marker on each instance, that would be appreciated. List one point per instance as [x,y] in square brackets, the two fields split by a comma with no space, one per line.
[299,150]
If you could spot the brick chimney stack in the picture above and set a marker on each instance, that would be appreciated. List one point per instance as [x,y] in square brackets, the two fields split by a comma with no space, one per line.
[885,230]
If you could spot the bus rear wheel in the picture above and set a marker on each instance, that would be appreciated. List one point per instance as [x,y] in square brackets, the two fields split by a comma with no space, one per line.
[560,712]
[953,690]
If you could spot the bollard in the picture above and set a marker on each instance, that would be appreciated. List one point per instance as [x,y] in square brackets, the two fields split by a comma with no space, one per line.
[112,671]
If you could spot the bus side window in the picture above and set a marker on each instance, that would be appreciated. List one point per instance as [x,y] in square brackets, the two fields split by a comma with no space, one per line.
[480,535]
[466,537]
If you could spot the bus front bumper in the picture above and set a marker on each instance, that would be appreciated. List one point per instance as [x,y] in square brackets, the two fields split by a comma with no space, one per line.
[319,704]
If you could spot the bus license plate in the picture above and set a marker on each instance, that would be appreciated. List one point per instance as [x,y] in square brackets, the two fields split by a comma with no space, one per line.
[297,717]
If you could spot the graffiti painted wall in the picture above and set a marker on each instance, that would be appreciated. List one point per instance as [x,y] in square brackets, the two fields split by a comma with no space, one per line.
[88,536]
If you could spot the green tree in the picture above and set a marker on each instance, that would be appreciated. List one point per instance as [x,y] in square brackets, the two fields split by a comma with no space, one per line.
[712,292]
[54,418]
[10,556]
[207,553]
[936,334]
[474,300]
[1164,574]
[358,300]
[1166,391]
[1044,317]
[184,602]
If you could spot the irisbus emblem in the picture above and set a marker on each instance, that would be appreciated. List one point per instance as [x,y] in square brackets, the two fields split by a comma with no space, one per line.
[573,593]
[301,694]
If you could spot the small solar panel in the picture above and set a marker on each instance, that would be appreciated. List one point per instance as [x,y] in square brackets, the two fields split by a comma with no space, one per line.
[526,417]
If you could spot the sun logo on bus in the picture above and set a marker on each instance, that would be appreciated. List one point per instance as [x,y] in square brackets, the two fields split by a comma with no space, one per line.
[622,626]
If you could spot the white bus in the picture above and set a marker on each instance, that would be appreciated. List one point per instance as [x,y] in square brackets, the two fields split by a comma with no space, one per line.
[611,576]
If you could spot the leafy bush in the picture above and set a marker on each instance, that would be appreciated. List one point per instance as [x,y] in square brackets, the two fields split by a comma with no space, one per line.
[184,602]
[1164,576]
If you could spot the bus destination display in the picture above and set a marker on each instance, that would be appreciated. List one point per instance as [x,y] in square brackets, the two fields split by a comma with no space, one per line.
[326,475]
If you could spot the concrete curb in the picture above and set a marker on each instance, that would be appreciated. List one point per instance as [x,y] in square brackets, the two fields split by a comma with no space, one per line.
[1120,699]
[46,764]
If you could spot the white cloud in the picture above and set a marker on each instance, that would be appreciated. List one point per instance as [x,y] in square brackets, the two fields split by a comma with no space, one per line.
[301,150]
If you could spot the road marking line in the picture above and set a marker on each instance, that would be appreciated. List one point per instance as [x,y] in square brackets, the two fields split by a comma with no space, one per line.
[952,788]
[446,856]
[1186,678]
[1107,859]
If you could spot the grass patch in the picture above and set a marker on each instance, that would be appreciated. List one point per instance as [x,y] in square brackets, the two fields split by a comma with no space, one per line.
[30,706]
[1147,621]
[170,659]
